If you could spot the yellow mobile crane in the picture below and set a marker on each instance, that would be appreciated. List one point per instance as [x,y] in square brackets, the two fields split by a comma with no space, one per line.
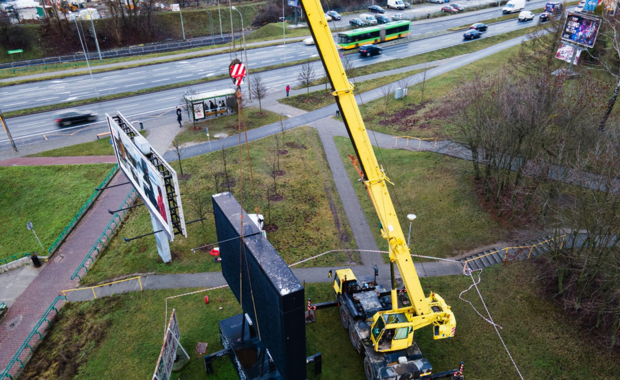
[381,323]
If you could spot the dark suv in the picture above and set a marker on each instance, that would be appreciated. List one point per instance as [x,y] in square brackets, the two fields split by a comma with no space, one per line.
[381,19]
[368,50]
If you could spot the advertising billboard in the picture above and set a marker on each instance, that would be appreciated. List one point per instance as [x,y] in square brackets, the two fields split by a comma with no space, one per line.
[168,353]
[565,53]
[144,177]
[581,29]
[199,111]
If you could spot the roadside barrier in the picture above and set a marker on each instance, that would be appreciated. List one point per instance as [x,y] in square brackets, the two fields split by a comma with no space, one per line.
[14,257]
[37,330]
[105,236]
[59,240]
[415,138]
[64,292]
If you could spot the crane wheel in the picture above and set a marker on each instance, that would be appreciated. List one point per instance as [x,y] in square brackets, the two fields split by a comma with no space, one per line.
[353,337]
[370,371]
[344,317]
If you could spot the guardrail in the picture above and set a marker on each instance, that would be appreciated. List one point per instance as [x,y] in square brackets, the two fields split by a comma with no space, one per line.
[15,257]
[415,138]
[104,237]
[124,52]
[35,331]
[139,278]
[61,237]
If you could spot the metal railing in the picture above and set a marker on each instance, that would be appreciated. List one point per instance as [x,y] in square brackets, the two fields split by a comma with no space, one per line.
[505,250]
[139,278]
[15,257]
[124,52]
[61,237]
[415,138]
[35,331]
[101,242]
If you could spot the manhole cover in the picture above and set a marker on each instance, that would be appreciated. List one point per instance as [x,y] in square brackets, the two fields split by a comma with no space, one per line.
[201,348]
[59,258]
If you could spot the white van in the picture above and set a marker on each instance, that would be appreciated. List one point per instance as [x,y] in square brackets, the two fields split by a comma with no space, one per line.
[396,4]
[368,19]
[513,6]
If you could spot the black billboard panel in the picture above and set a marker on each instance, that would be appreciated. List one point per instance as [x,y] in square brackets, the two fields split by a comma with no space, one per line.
[268,291]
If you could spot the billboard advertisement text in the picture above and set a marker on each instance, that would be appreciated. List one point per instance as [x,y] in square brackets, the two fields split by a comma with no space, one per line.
[144,177]
[581,30]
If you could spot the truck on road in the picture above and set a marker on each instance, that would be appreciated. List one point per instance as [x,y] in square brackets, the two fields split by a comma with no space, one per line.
[513,6]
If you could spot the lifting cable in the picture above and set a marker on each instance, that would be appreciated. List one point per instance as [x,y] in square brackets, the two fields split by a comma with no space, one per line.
[468,271]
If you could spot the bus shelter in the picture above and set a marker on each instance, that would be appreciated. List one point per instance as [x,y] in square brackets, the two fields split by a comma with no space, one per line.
[207,105]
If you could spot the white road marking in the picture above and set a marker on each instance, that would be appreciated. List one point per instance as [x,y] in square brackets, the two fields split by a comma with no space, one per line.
[132,85]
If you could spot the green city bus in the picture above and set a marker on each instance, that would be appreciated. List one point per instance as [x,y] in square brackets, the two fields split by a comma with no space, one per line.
[385,32]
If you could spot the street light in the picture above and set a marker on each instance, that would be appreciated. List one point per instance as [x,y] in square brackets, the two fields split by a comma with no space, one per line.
[85,56]
[411,218]
[219,14]
[182,27]
[247,67]
[284,32]
[92,24]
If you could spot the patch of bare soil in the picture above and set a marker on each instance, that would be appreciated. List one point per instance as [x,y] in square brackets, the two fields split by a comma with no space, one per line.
[271,228]
[295,145]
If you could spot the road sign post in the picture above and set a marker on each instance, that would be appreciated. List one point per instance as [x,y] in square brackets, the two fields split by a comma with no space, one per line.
[208,138]
[31,228]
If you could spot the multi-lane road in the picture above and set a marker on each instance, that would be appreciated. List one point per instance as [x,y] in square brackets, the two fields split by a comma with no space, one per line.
[57,91]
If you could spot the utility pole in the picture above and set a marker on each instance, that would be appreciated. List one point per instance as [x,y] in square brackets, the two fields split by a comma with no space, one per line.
[182,27]
[90,16]
[6,129]
[86,56]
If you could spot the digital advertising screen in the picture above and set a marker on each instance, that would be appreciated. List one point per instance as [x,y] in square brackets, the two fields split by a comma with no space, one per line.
[581,29]
[144,177]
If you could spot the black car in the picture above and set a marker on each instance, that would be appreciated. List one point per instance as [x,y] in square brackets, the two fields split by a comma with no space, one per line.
[69,117]
[334,15]
[376,9]
[356,22]
[479,26]
[381,19]
[545,16]
[472,34]
[368,50]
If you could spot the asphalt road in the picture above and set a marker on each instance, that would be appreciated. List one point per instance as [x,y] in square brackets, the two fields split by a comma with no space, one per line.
[34,128]
[42,93]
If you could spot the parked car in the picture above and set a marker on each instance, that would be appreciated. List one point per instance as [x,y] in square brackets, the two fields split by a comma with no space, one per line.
[398,17]
[381,19]
[368,50]
[368,19]
[334,15]
[479,26]
[356,22]
[328,17]
[458,7]
[395,4]
[74,116]
[448,9]
[545,16]
[309,41]
[407,4]
[436,1]
[376,9]
[526,16]
[472,34]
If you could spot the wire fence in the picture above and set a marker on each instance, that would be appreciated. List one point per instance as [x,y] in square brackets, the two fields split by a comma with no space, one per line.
[103,239]
[39,329]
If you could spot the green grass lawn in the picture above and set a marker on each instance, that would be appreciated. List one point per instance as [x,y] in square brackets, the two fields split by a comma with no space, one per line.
[439,190]
[228,125]
[309,218]
[320,99]
[99,147]
[49,196]
[121,337]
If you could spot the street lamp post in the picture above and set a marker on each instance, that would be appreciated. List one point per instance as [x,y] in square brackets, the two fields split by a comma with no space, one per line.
[211,23]
[182,27]
[92,24]
[245,52]
[219,14]
[411,218]
[86,57]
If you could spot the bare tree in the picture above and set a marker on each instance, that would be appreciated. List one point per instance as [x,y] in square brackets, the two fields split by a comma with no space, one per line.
[404,84]
[306,76]
[259,90]
[200,203]
[178,150]
[423,85]
[348,67]
[386,98]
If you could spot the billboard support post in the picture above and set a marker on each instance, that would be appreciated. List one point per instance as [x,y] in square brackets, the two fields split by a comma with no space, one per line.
[163,246]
